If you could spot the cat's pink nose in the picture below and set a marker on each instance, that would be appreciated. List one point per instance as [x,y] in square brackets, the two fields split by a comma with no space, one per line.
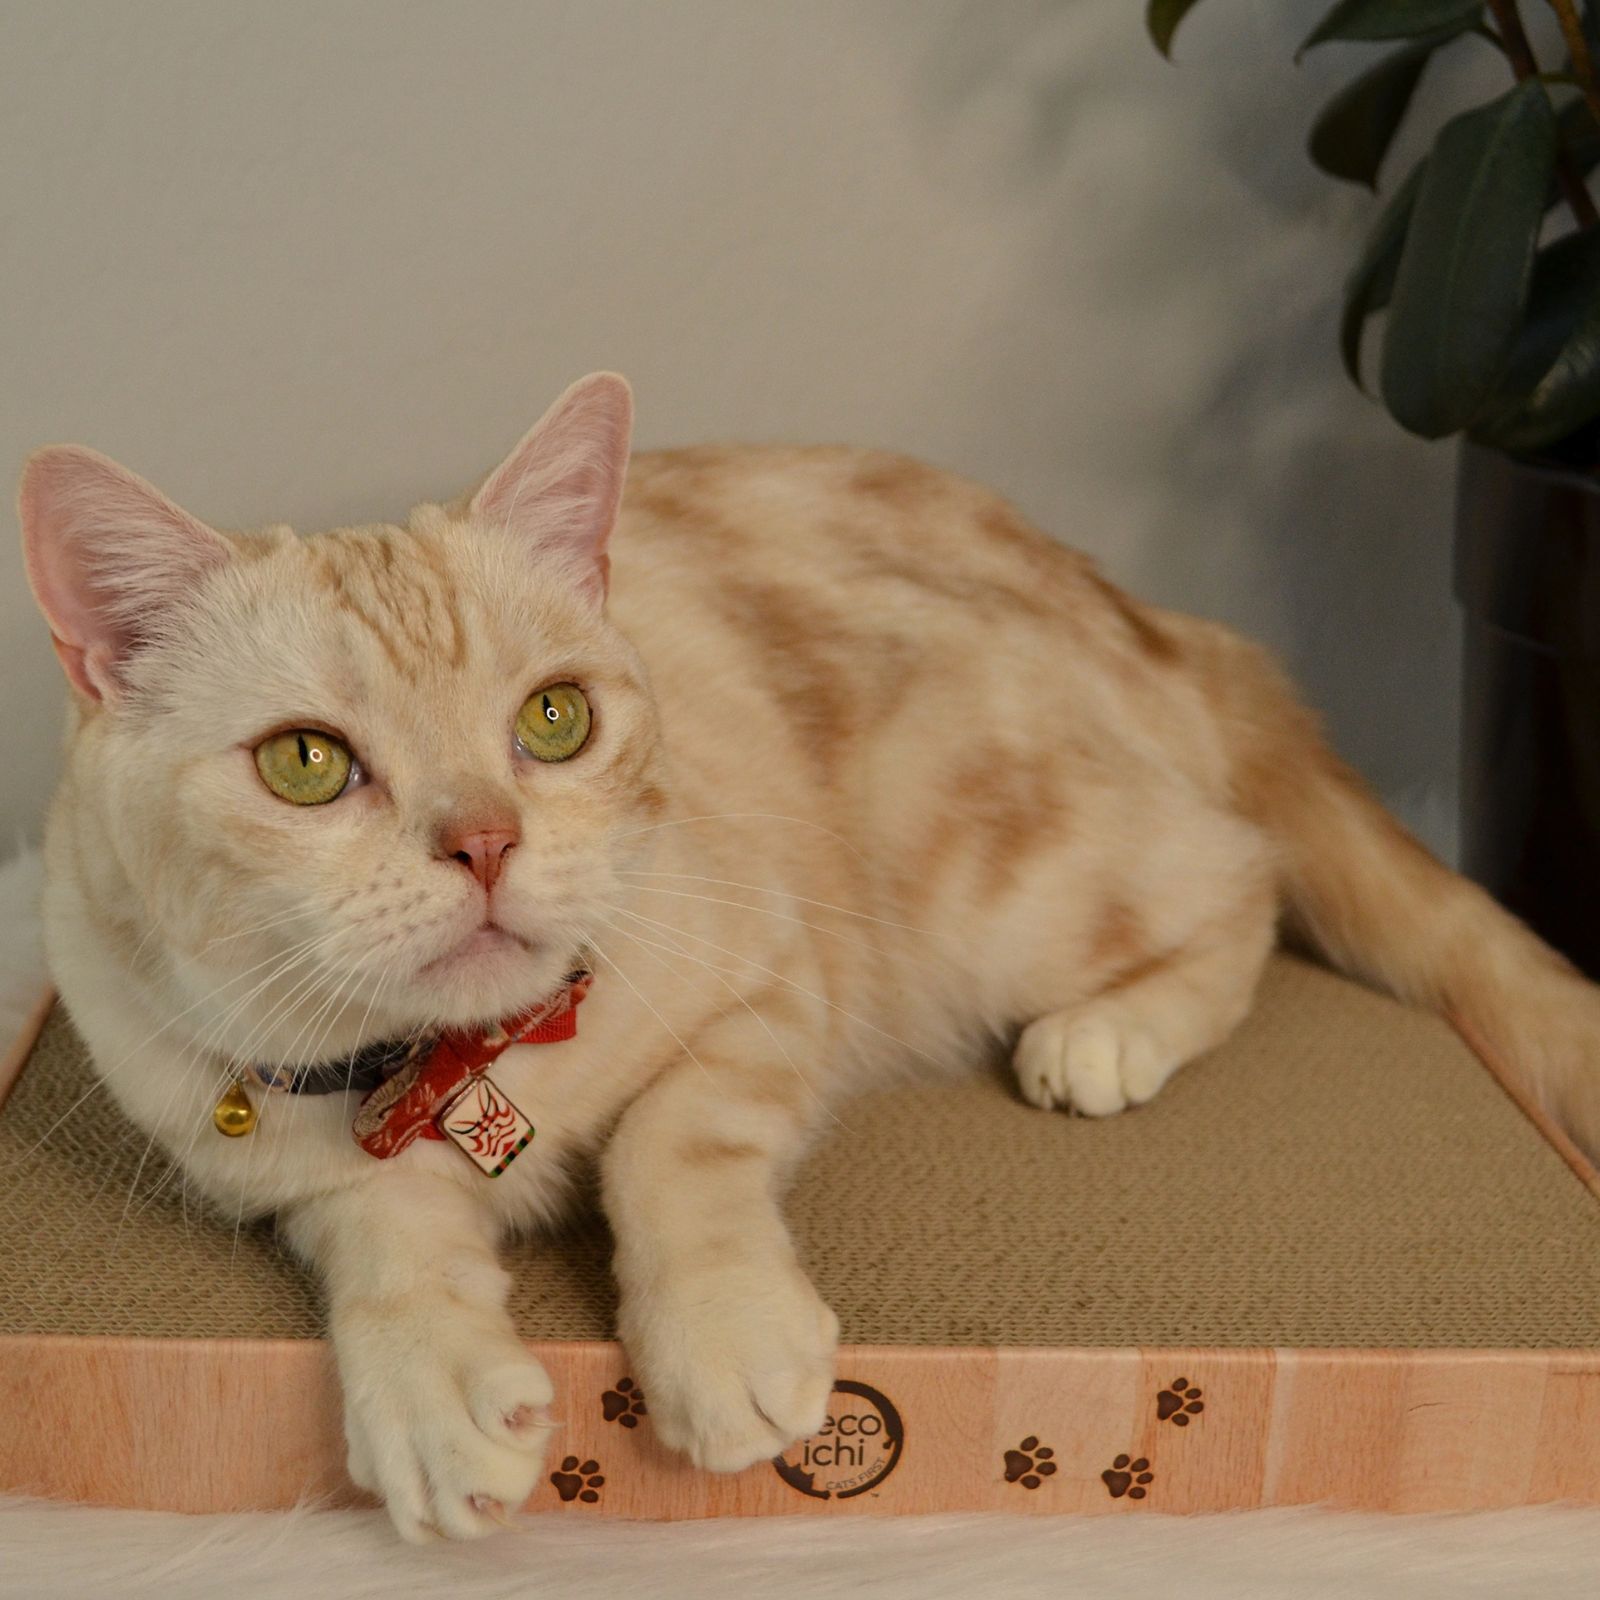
[482,851]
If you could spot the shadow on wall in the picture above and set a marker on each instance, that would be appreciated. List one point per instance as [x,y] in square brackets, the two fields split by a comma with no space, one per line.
[1216,456]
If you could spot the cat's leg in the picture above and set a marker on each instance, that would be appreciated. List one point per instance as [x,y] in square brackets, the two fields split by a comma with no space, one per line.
[444,1408]
[1118,1047]
[731,1344]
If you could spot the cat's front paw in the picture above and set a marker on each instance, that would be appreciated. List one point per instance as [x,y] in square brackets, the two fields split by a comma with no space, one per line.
[738,1362]
[1093,1060]
[446,1423]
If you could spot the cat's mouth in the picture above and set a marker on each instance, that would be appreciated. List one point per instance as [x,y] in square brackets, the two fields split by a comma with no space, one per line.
[483,943]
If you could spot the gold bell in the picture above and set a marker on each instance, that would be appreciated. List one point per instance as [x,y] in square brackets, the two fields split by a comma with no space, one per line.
[233,1113]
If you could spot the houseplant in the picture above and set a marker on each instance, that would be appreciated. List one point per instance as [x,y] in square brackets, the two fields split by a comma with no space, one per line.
[1484,261]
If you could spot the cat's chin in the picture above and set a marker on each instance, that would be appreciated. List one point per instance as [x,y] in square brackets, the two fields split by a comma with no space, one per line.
[490,974]
[485,944]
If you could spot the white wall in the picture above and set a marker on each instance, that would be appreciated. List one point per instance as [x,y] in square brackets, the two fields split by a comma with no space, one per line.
[314,259]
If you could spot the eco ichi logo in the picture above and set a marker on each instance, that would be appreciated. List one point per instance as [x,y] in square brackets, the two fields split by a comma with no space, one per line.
[854,1450]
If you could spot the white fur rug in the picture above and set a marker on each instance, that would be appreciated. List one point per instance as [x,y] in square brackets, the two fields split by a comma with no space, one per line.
[64,1553]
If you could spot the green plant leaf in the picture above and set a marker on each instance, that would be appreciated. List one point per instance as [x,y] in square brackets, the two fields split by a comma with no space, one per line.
[1161,19]
[1352,135]
[1566,277]
[1371,280]
[1552,382]
[1580,136]
[1463,276]
[1392,19]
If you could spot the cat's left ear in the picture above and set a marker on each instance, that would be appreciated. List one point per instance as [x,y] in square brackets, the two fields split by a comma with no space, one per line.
[110,560]
[561,487]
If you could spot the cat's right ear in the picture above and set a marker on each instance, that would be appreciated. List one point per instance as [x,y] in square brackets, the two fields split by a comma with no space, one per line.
[108,558]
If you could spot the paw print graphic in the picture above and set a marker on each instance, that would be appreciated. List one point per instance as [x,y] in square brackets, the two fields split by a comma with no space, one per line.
[1127,1477]
[1179,1403]
[578,1481]
[1029,1464]
[624,1404]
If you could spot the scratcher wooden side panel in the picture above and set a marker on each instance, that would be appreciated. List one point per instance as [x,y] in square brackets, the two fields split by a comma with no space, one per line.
[231,1425]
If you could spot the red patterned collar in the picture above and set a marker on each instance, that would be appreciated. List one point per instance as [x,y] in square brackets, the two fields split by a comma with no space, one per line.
[439,1088]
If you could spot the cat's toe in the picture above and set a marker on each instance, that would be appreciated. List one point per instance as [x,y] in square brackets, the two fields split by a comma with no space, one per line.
[450,1479]
[402,1486]
[1145,1067]
[780,1405]
[511,1403]
[1091,1068]
[471,1489]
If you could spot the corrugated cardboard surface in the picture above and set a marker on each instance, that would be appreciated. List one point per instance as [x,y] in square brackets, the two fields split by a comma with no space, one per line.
[1343,1172]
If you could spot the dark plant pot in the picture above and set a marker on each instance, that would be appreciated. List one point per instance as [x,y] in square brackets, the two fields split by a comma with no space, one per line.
[1528,578]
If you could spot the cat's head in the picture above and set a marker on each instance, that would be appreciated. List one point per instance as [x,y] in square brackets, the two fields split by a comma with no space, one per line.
[375,779]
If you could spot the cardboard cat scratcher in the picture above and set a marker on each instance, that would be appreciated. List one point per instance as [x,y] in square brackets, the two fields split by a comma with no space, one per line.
[1333,1263]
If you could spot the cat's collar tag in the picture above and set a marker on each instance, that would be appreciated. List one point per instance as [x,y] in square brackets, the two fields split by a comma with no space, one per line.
[443,1090]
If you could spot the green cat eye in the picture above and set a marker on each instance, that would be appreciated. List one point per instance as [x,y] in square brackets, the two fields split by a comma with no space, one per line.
[303,766]
[554,723]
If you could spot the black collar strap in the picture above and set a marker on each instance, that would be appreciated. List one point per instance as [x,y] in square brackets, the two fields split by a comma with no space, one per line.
[358,1073]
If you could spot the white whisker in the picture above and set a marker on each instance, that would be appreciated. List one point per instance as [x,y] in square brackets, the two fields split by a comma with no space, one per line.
[332,1008]
[767,911]
[260,927]
[904,1044]
[653,1012]
[321,967]
[102,1075]
[793,1065]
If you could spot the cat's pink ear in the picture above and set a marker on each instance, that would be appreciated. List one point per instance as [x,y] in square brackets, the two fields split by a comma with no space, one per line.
[110,560]
[561,487]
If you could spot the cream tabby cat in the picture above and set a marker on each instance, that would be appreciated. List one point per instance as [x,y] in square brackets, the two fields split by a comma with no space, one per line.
[823,688]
